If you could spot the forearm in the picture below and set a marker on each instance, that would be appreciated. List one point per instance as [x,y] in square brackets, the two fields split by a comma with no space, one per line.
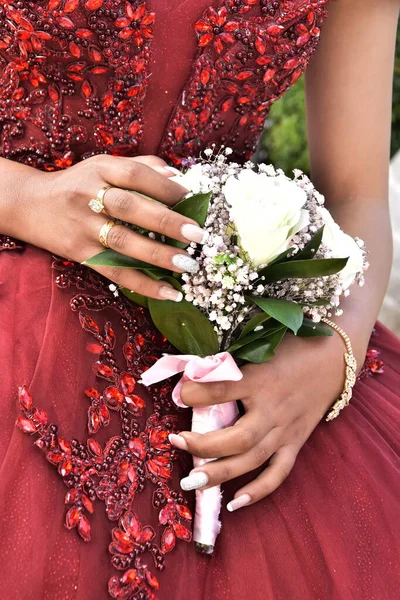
[19,184]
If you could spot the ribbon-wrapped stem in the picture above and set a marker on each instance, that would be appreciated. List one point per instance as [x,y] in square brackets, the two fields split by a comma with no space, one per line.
[220,367]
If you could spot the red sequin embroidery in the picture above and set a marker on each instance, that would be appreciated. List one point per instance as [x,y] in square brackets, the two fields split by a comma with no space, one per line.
[249,53]
[74,75]
[141,453]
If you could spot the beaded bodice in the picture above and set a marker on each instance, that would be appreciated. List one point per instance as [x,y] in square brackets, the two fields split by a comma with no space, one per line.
[80,77]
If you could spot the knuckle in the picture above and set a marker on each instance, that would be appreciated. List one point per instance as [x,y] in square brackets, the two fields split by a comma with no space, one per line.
[218,392]
[97,162]
[122,202]
[117,238]
[283,471]
[166,221]
[114,273]
[156,254]
[132,169]
[261,454]
[245,439]
[224,473]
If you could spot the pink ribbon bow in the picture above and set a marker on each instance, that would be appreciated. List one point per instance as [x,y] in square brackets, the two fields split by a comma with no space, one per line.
[220,367]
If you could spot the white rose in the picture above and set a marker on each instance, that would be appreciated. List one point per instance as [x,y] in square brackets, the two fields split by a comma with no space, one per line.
[267,212]
[194,180]
[342,246]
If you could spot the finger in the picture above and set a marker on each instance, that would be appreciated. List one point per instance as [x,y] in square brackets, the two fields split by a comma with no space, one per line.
[157,163]
[218,471]
[238,439]
[139,283]
[268,481]
[121,239]
[207,394]
[133,175]
[132,208]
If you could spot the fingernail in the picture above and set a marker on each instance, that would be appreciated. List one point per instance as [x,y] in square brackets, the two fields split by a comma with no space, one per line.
[185,263]
[194,481]
[238,502]
[169,293]
[173,170]
[178,441]
[193,233]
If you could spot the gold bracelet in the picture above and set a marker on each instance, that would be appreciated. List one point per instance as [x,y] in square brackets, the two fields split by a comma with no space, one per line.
[351,373]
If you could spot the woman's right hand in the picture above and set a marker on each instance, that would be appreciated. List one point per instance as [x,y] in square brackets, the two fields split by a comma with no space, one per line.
[51,211]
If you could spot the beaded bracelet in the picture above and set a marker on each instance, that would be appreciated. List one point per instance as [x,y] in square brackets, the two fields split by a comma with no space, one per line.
[351,374]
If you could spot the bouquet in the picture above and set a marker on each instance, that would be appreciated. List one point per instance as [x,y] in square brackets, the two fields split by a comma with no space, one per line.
[273,263]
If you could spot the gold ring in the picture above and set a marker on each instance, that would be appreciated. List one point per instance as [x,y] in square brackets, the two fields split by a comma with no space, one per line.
[104,232]
[97,204]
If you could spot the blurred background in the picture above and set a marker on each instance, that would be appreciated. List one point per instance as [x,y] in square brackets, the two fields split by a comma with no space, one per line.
[284,143]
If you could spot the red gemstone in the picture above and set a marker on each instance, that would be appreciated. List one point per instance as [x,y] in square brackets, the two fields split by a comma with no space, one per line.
[55,457]
[71,5]
[114,397]
[129,576]
[167,513]
[66,468]
[103,370]
[86,322]
[122,22]
[94,447]
[135,404]
[275,30]
[145,535]
[130,524]
[26,425]
[25,397]
[93,4]
[183,512]
[122,541]
[92,393]
[84,528]
[74,50]
[243,75]
[182,532]
[260,45]
[152,580]
[129,352]
[108,99]
[53,93]
[84,33]
[137,446]
[72,517]
[128,383]
[93,420]
[87,89]
[88,504]
[104,415]
[70,496]
[134,128]
[65,22]
[168,540]
[64,445]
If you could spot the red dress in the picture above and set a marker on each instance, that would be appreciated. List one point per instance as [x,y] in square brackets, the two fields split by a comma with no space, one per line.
[79,77]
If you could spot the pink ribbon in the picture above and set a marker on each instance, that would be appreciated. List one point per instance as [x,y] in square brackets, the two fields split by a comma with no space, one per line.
[220,367]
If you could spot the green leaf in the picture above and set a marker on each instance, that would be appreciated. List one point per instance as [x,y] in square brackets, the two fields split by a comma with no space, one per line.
[311,248]
[254,322]
[283,256]
[262,349]
[311,329]
[184,326]
[194,207]
[268,329]
[136,298]
[303,269]
[287,313]
[110,258]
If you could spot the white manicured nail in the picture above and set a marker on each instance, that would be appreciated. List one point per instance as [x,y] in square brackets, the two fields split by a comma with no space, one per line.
[238,502]
[178,441]
[169,293]
[185,263]
[193,233]
[194,481]
[173,170]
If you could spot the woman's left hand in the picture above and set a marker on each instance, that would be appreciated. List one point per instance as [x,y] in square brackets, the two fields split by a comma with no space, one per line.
[284,400]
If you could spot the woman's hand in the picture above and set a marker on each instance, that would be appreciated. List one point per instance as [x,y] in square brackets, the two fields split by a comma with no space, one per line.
[51,211]
[284,400]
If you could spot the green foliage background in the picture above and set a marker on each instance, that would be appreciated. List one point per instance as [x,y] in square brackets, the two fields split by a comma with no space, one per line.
[283,142]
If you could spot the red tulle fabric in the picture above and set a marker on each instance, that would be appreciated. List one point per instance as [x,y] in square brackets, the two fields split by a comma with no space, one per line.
[79,77]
